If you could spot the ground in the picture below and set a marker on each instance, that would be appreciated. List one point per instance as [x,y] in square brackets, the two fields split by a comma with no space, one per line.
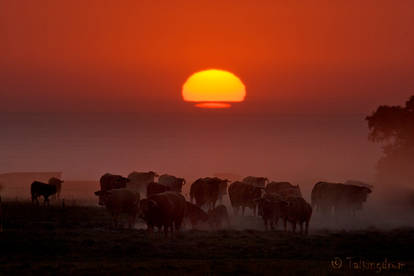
[80,240]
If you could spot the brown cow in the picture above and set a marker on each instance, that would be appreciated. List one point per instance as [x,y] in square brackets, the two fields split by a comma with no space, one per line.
[156,188]
[38,189]
[256,181]
[119,201]
[165,210]
[244,195]
[195,214]
[271,207]
[340,198]
[297,211]
[175,183]
[217,216]
[284,189]
[138,181]
[109,182]
[206,191]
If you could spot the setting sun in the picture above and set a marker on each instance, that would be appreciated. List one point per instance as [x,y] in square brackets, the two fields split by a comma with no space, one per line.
[213,89]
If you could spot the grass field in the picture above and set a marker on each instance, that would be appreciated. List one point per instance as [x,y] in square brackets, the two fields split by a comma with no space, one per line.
[80,240]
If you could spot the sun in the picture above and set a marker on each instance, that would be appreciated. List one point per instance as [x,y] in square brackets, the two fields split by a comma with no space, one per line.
[213,88]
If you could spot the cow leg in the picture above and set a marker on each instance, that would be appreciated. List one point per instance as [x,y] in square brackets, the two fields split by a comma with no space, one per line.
[235,210]
[306,227]
[301,227]
[132,219]
[115,220]
[285,224]
[276,221]
[294,226]
[46,201]
[271,225]
[243,211]
[178,224]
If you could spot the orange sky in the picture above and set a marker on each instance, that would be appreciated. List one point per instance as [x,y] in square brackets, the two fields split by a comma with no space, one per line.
[294,56]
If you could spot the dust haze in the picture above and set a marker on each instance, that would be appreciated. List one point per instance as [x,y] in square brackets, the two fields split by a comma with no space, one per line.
[301,149]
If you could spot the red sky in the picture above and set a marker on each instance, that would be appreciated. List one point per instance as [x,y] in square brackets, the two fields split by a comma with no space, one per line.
[294,56]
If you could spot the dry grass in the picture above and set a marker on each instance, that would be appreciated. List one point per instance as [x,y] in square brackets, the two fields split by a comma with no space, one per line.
[79,240]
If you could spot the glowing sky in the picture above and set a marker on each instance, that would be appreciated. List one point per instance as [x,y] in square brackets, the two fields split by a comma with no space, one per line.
[294,56]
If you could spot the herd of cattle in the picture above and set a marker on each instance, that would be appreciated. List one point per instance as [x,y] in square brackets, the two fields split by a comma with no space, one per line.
[162,205]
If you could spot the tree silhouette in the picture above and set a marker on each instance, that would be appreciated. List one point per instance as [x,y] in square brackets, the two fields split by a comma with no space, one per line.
[393,126]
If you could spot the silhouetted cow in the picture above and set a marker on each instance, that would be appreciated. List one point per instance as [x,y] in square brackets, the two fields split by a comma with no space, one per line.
[42,189]
[119,201]
[297,211]
[140,180]
[175,183]
[244,195]
[284,189]
[340,198]
[256,181]
[206,191]
[271,207]
[165,210]
[109,182]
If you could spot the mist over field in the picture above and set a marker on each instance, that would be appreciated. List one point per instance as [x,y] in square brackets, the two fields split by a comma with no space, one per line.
[301,149]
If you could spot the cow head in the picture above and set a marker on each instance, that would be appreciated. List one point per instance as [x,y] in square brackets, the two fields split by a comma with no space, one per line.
[179,185]
[146,207]
[55,181]
[154,174]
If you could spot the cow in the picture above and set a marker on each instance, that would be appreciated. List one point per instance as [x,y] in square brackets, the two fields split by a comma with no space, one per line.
[297,211]
[42,189]
[111,181]
[175,183]
[284,189]
[118,201]
[206,191]
[256,181]
[139,180]
[156,188]
[165,210]
[58,183]
[271,208]
[244,195]
[195,214]
[217,216]
[338,198]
